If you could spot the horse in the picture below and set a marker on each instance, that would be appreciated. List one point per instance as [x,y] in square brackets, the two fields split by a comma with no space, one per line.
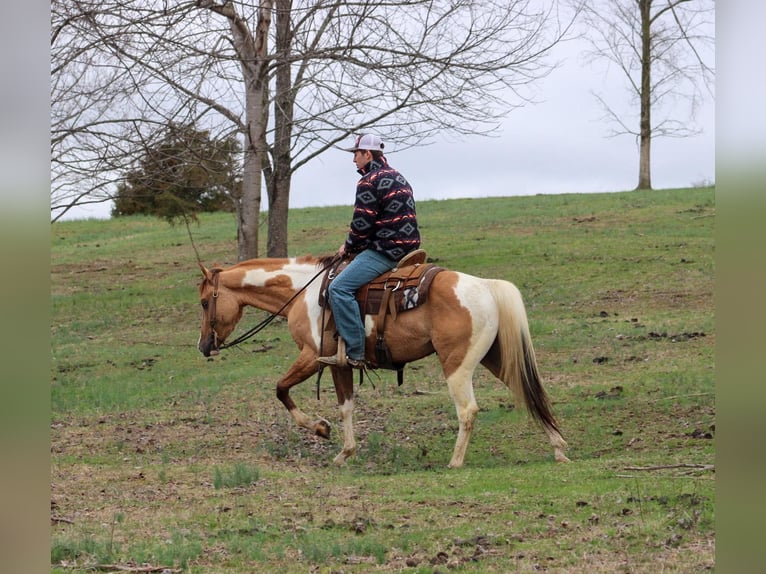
[466,321]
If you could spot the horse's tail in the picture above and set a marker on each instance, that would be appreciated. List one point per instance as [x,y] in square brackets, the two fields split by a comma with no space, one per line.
[513,357]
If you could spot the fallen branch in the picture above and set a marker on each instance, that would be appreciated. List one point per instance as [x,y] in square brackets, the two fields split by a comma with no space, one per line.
[680,396]
[665,466]
[61,519]
[127,568]
[685,476]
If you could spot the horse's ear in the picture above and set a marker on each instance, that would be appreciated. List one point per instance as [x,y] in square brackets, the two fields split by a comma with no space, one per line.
[205,272]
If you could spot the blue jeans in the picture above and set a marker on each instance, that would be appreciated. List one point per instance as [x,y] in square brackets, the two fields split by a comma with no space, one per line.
[365,267]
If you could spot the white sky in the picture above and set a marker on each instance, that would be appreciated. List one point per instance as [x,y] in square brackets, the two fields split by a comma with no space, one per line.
[559,145]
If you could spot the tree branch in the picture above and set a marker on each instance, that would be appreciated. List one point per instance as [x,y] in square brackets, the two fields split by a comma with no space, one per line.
[669,466]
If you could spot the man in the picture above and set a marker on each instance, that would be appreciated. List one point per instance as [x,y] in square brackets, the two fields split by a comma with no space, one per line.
[383,229]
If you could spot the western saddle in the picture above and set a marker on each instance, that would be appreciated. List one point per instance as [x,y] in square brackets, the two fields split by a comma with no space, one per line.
[403,288]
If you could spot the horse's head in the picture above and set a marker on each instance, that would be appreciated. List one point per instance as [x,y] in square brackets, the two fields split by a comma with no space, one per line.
[221,311]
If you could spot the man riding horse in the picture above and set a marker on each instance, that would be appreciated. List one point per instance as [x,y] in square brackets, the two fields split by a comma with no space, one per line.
[384,228]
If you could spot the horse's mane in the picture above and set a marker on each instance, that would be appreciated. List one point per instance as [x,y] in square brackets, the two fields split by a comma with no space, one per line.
[325,260]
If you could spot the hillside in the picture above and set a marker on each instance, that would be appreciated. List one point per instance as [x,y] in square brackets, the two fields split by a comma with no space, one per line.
[164,458]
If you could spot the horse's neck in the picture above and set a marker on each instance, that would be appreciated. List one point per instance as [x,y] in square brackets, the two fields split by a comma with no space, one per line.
[268,284]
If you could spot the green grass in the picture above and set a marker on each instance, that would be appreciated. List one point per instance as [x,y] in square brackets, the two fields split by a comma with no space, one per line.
[207,473]
[239,475]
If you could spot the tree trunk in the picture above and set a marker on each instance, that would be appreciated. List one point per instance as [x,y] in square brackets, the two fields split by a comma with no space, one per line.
[250,202]
[252,56]
[278,178]
[645,125]
[278,211]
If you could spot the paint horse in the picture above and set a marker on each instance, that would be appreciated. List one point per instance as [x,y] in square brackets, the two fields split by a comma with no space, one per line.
[465,320]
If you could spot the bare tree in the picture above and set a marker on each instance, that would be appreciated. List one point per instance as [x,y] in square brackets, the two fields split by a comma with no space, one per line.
[662,48]
[83,93]
[104,107]
[296,78]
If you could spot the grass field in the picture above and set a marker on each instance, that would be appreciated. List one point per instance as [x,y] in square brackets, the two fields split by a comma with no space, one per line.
[162,459]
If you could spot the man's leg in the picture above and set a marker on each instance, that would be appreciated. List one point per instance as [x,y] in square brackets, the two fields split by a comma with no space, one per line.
[365,267]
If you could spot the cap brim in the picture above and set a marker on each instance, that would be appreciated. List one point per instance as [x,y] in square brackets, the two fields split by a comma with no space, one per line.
[350,149]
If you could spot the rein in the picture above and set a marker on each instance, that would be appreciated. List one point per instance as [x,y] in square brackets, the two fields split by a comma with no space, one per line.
[263,324]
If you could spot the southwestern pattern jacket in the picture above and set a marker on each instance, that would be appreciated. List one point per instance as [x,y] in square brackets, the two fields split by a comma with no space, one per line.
[384,213]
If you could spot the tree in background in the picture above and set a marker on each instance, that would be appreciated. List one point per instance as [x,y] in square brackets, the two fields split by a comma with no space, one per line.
[183,173]
[662,48]
[292,79]
[92,136]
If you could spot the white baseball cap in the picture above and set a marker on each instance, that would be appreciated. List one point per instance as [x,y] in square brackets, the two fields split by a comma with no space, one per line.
[367,141]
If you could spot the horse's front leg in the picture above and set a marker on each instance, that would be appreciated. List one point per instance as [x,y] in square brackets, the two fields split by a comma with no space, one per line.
[344,389]
[299,371]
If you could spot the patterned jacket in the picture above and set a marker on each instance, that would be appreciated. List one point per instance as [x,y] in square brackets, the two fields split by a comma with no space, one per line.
[384,213]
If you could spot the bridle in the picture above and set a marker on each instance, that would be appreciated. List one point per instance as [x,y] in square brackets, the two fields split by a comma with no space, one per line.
[211,309]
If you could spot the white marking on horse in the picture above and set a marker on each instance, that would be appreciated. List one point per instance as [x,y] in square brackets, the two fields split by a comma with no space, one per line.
[299,274]
[369,325]
[473,294]
[259,277]
[311,296]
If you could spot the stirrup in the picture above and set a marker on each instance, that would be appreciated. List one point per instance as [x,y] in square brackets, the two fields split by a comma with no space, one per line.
[356,363]
[338,359]
[333,361]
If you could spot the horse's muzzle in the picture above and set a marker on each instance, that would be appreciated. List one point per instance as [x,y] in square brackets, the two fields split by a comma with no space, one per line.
[208,347]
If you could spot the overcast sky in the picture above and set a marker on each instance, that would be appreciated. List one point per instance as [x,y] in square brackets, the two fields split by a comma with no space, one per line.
[559,145]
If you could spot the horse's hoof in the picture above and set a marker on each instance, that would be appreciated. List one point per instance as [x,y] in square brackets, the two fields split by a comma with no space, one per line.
[322,428]
[340,459]
[561,458]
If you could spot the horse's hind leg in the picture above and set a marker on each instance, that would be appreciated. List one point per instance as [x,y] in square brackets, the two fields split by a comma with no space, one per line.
[558,443]
[493,361]
[460,386]
[298,372]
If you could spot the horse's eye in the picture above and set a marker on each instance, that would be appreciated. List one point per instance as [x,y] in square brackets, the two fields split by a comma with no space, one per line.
[204,303]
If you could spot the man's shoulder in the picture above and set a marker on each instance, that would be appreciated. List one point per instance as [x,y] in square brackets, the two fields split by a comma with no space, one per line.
[385,171]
